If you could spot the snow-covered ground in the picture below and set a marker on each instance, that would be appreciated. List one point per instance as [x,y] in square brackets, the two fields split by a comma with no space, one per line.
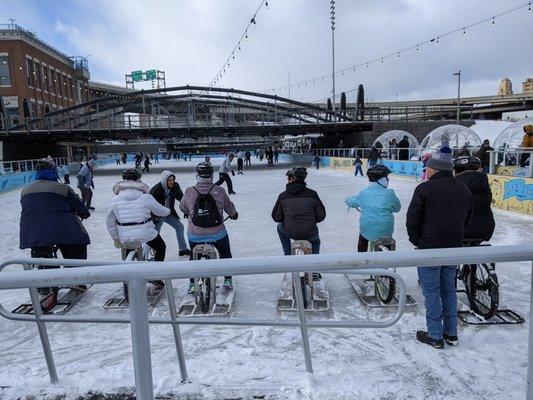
[237,362]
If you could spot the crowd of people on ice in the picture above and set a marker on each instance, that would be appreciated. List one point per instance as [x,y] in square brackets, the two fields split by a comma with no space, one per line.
[451,205]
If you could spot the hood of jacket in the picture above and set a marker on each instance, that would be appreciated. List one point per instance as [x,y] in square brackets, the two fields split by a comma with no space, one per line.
[473,179]
[296,187]
[164,177]
[130,190]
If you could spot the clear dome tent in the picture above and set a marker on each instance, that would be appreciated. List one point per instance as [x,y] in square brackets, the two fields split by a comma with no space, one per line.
[512,136]
[386,137]
[455,136]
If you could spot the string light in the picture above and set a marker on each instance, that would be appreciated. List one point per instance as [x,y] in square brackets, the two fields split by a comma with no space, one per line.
[253,21]
[417,47]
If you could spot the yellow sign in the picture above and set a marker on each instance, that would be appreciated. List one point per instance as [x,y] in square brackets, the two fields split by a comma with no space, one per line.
[344,163]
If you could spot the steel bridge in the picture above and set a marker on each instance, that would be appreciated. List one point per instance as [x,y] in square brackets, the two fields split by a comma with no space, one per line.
[183,111]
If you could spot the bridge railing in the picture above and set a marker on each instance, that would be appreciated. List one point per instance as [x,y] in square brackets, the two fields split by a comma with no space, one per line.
[12,167]
[136,275]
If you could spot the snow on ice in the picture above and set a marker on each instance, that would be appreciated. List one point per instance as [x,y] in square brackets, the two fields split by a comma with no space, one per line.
[229,362]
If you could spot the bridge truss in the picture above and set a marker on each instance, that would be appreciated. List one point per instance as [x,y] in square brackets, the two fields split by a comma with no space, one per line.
[184,111]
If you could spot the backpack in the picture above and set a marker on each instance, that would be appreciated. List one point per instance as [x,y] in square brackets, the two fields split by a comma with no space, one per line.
[205,213]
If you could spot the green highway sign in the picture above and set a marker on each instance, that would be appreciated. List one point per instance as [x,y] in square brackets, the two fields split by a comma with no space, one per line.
[136,76]
[151,74]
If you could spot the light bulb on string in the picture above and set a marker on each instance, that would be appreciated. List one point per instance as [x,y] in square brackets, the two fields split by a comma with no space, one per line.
[437,40]
[493,22]
[266,4]
[416,47]
[367,65]
[464,31]
[382,60]
[398,54]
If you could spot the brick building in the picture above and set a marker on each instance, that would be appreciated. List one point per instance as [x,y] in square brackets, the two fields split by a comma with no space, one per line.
[36,78]
[527,86]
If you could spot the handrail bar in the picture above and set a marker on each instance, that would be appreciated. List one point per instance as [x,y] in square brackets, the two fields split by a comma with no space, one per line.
[254,265]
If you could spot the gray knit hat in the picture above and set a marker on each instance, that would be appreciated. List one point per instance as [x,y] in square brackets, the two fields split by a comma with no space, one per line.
[441,160]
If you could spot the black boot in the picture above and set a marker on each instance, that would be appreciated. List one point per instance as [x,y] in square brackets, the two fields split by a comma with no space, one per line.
[185,252]
[423,337]
[451,339]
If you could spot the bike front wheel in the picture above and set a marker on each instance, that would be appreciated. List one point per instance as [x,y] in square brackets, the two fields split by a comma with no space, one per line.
[483,290]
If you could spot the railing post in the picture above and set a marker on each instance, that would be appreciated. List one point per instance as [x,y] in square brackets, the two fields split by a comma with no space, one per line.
[303,322]
[140,339]
[43,333]
[176,330]
[492,162]
[529,395]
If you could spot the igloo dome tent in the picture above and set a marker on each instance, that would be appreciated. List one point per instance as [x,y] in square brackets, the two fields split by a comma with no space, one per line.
[512,136]
[455,136]
[397,134]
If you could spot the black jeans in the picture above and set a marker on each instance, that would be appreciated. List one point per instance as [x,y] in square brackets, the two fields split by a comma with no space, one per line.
[72,251]
[159,246]
[223,247]
[225,178]
[362,245]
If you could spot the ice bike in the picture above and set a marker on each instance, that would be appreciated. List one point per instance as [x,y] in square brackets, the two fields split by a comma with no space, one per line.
[65,297]
[208,298]
[378,290]
[482,291]
[135,252]
[313,285]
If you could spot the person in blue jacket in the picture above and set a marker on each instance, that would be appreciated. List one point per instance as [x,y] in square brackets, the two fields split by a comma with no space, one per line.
[377,205]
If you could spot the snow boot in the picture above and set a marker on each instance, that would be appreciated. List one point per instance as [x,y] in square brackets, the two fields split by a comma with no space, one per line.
[451,339]
[192,288]
[48,303]
[423,337]
[185,252]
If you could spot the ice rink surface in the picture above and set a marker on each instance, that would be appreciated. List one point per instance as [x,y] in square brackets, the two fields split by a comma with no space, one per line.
[234,362]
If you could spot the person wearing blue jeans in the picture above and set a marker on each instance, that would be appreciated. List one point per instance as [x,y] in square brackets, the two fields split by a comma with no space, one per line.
[176,224]
[286,242]
[166,192]
[438,288]
[439,211]
[297,211]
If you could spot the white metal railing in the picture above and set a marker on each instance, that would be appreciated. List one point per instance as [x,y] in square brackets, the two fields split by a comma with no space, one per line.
[12,167]
[138,273]
[514,157]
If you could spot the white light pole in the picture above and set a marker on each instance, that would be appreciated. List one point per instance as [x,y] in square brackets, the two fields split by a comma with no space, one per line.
[458,75]
[332,14]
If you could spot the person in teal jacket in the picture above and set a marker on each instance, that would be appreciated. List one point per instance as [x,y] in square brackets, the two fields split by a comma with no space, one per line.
[376,204]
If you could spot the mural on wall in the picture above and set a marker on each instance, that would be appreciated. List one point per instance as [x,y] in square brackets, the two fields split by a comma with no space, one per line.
[512,194]
[509,170]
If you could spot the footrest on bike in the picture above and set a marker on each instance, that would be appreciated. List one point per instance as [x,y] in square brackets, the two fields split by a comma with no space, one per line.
[319,302]
[365,289]
[500,317]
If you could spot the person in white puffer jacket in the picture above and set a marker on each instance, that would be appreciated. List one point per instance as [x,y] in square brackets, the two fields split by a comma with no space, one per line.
[129,216]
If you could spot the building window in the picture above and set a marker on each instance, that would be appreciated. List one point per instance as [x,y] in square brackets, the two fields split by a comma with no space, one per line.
[5,78]
[45,79]
[30,73]
[38,75]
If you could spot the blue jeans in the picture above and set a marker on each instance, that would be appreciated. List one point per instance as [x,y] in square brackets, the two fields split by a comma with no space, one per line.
[358,169]
[286,242]
[438,287]
[175,223]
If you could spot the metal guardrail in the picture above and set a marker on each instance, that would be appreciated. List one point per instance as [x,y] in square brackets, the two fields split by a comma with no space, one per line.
[515,157]
[11,167]
[138,273]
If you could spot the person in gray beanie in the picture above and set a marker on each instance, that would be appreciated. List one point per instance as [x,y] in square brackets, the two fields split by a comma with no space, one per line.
[437,215]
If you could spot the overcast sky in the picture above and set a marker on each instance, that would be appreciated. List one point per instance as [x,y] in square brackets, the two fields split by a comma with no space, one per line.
[191,39]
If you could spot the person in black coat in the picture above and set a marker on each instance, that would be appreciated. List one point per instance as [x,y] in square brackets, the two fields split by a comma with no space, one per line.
[297,211]
[437,216]
[481,226]
[484,155]
[166,192]
[50,220]
[403,145]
